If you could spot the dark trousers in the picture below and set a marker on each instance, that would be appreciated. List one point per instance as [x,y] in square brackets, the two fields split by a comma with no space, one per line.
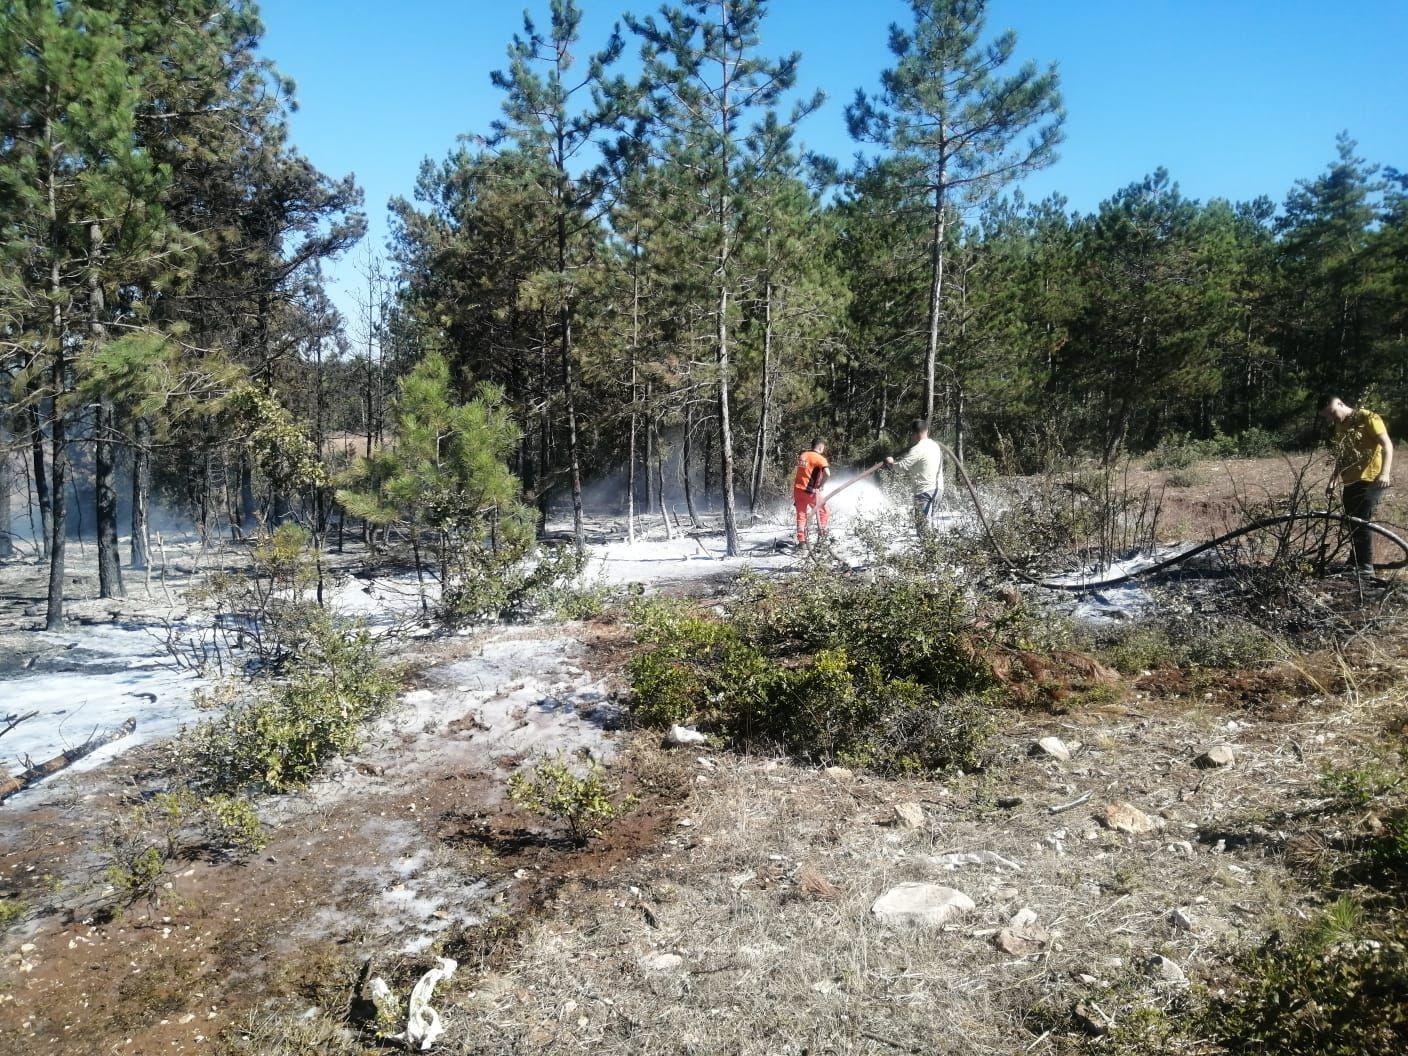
[1361,499]
[924,512]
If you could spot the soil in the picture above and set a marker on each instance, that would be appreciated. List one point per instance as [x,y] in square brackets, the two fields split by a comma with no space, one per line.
[1215,496]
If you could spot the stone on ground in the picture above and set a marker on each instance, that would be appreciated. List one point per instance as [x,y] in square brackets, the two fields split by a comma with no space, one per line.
[1021,943]
[909,816]
[1219,755]
[925,905]
[1125,817]
[1165,970]
[679,736]
[1052,746]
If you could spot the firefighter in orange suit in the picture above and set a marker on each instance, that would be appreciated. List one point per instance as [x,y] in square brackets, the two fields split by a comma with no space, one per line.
[812,472]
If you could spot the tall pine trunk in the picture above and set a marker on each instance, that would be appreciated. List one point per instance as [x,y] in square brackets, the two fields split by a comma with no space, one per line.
[635,390]
[686,466]
[763,442]
[105,502]
[104,435]
[7,485]
[564,324]
[141,494]
[58,439]
[41,475]
[58,521]
[936,296]
[725,248]
[660,480]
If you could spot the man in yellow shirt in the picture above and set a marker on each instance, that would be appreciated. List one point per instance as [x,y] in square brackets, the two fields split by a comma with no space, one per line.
[1364,460]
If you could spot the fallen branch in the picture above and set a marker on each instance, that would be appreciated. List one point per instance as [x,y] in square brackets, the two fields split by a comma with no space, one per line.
[34,774]
[11,721]
[1061,808]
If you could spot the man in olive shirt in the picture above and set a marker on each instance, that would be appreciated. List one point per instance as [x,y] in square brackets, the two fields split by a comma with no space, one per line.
[1364,460]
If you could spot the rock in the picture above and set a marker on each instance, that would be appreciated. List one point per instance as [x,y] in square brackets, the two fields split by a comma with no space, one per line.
[1165,970]
[680,736]
[1180,919]
[1021,943]
[1091,1020]
[661,962]
[1023,918]
[1052,746]
[1125,817]
[920,904]
[838,773]
[1219,755]
[908,816]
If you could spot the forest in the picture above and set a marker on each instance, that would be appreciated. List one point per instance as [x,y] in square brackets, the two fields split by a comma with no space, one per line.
[354,635]
[652,274]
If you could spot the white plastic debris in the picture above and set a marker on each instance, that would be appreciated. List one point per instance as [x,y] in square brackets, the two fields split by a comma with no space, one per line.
[958,858]
[680,736]
[423,1026]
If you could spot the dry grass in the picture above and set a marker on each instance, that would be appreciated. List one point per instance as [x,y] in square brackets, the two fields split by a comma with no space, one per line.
[771,961]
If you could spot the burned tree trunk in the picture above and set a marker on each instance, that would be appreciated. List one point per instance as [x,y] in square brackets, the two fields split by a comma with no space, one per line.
[141,495]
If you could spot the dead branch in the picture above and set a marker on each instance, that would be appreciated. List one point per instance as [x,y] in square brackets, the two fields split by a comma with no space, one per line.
[34,774]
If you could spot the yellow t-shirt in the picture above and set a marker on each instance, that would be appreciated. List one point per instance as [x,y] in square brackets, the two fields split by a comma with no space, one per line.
[1356,445]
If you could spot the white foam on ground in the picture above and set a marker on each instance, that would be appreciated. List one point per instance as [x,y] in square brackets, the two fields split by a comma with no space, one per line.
[115,674]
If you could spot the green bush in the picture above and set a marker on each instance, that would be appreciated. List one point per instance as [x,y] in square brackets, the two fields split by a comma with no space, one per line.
[880,673]
[145,840]
[1338,989]
[1257,443]
[276,735]
[1387,852]
[513,582]
[582,803]
[1219,643]
[1184,477]
[1174,451]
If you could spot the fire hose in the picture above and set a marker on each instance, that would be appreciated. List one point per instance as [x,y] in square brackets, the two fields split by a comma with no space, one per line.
[1082,586]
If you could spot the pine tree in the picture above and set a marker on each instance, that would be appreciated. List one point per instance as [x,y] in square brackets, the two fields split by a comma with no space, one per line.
[946,109]
[704,78]
[1327,260]
[82,211]
[546,118]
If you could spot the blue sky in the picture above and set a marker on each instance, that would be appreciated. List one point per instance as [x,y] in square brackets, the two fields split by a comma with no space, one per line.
[1235,98]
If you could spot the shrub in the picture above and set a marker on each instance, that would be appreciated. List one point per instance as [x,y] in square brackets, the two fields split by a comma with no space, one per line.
[982,467]
[1174,451]
[511,582]
[582,803]
[884,674]
[1184,477]
[276,736]
[1193,641]
[1257,443]
[144,841]
[11,910]
[1338,989]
